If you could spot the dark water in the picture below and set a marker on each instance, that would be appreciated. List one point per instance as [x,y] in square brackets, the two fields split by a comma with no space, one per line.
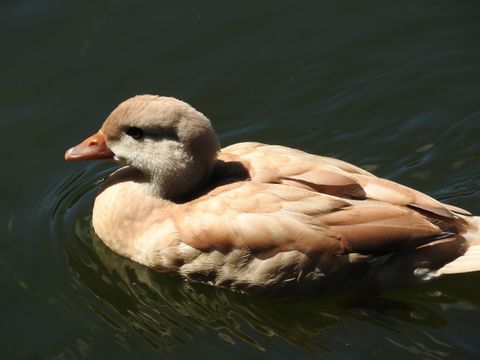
[393,86]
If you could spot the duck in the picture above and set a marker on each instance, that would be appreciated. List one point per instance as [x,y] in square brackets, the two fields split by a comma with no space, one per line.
[259,218]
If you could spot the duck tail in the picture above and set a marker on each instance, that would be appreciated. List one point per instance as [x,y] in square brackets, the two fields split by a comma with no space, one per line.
[470,260]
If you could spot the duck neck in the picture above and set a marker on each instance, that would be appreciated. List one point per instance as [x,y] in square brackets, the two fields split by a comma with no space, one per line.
[176,179]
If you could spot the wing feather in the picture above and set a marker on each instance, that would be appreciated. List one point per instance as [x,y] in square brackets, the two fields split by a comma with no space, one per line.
[295,168]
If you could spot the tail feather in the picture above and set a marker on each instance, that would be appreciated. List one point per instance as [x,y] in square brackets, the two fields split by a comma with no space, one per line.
[470,260]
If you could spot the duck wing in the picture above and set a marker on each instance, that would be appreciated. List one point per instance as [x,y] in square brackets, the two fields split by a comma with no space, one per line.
[279,164]
[271,218]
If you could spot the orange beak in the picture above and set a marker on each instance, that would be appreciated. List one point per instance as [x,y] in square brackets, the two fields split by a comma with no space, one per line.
[92,148]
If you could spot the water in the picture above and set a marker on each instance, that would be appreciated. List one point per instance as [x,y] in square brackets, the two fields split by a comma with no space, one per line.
[391,86]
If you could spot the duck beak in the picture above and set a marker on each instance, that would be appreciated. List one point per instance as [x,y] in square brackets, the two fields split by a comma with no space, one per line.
[92,148]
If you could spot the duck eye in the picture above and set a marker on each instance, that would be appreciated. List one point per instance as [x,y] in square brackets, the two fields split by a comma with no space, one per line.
[134,132]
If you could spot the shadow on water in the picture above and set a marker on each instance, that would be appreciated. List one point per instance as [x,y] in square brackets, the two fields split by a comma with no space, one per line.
[170,314]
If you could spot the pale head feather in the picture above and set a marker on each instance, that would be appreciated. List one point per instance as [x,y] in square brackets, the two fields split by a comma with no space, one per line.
[177,150]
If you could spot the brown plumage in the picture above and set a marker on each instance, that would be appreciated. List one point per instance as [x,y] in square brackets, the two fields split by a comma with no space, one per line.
[261,218]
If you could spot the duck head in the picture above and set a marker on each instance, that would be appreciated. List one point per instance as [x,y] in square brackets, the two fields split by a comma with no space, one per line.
[171,144]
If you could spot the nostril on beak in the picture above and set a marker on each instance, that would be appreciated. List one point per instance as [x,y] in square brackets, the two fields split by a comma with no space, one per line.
[92,143]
